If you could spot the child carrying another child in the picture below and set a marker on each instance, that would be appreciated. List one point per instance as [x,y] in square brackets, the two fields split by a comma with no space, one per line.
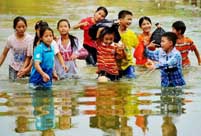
[85,24]
[129,40]
[43,61]
[70,49]
[184,44]
[18,44]
[106,54]
[169,61]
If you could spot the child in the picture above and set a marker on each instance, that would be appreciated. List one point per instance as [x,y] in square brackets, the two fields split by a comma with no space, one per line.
[18,44]
[129,40]
[106,50]
[43,61]
[28,63]
[144,39]
[184,44]
[70,50]
[169,61]
[85,24]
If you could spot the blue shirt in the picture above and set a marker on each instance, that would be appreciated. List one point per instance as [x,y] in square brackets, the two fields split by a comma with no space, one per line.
[45,55]
[170,66]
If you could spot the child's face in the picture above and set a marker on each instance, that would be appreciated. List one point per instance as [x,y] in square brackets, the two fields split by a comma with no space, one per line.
[126,21]
[146,26]
[63,28]
[108,39]
[166,44]
[175,31]
[20,28]
[99,15]
[47,37]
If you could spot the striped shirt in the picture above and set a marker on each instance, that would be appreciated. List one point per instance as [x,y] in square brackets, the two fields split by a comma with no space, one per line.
[170,66]
[106,59]
[185,45]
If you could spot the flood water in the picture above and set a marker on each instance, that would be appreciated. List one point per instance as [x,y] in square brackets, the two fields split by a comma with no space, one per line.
[84,107]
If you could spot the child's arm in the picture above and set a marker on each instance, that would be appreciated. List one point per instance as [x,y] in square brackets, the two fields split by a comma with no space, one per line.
[26,67]
[80,25]
[197,55]
[153,55]
[61,61]
[3,55]
[44,75]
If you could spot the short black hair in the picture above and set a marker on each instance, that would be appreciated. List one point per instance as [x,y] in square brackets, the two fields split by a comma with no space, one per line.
[123,13]
[179,25]
[171,36]
[102,8]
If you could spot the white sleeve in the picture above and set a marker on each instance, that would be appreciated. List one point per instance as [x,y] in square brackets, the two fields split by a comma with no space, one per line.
[56,48]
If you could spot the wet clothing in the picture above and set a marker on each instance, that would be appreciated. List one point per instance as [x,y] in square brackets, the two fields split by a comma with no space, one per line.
[66,53]
[106,61]
[18,50]
[170,66]
[88,43]
[45,55]
[185,45]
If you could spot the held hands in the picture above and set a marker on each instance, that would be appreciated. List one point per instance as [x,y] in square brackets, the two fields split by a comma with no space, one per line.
[21,73]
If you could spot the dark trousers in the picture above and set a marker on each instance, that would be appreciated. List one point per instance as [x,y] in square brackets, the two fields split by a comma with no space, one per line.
[92,56]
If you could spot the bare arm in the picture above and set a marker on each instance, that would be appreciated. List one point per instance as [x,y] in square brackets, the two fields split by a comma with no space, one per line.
[198,56]
[44,75]
[26,67]
[61,61]
[80,25]
[3,55]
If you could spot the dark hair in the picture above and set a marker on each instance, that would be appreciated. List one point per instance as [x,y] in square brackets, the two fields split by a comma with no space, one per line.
[123,13]
[171,36]
[102,8]
[106,30]
[179,25]
[39,24]
[43,29]
[71,37]
[17,19]
[144,18]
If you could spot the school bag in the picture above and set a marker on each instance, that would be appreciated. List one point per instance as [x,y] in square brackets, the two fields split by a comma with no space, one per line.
[156,35]
[104,23]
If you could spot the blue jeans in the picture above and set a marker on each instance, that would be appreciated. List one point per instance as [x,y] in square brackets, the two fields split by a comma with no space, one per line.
[129,72]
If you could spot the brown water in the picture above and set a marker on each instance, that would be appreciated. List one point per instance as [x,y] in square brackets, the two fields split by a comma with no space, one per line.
[85,107]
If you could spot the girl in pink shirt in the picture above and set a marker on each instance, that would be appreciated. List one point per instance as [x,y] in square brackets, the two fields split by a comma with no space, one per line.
[70,49]
[17,44]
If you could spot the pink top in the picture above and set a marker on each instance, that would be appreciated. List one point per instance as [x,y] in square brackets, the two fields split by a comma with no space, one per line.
[18,50]
[87,39]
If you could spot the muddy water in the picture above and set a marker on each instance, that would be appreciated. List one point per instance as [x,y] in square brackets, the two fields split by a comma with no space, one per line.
[84,107]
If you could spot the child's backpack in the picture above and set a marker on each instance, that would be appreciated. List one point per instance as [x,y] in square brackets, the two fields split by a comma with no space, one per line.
[156,35]
[104,23]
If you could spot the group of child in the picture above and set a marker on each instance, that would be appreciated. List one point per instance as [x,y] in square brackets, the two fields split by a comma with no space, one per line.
[48,57]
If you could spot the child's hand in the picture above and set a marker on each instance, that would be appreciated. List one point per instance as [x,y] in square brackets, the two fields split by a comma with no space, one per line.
[73,57]
[84,23]
[21,73]
[150,65]
[151,45]
[55,76]
[46,77]
[65,68]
